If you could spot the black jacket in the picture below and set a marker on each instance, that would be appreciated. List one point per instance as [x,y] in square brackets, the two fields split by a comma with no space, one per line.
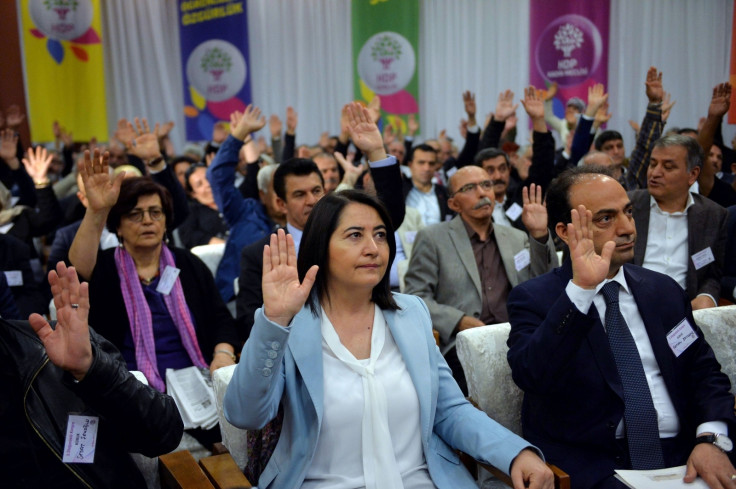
[38,397]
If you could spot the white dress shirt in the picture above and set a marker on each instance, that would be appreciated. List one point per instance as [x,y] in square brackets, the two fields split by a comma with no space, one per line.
[338,457]
[667,245]
[499,213]
[426,203]
[669,423]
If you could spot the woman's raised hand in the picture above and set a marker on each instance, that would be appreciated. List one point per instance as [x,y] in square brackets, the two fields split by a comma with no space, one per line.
[101,189]
[283,295]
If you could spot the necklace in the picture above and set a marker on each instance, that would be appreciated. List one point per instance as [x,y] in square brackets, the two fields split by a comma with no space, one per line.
[147,281]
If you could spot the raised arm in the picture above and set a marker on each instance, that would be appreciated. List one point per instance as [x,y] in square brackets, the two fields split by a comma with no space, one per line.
[651,130]
[719,104]
[505,109]
[102,193]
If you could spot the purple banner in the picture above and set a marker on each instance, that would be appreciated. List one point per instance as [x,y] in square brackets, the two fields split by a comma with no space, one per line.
[569,46]
[214,57]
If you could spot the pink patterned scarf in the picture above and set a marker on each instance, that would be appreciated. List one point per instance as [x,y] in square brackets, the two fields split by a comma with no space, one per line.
[139,315]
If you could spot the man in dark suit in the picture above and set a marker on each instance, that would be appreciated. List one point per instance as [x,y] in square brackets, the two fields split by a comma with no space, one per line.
[594,395]
[681,234]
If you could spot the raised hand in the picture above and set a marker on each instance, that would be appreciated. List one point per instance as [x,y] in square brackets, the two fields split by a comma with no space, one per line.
[389,136]
[534,213]
[248,122]
[597,97]
[101,189]
[412,126]
[145,144]
[14,117]
[283,294]
[275,126]
[635,126]
[532,103]
[352,172]
[164,129]
[654,89]
[324,140]
[364,132]
[463,128]
[68,345]
[219,133]
[588,267]
[292,119]
[9,147]
[505,107]
[125,132]
[601,116]
[666,106]
[374,108]
[60,134]
[550,93]
[719,103]
[37,163]
[470,108]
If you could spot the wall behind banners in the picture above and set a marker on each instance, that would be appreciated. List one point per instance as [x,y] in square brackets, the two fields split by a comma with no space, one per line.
[301,56]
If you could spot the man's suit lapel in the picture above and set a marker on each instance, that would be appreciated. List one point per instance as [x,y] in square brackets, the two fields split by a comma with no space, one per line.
[598,341]
[650,314]
[416,358]
[305,344]
[507,247]
[459,238]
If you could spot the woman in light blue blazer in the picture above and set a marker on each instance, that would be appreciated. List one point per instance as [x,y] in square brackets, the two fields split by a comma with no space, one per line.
[368,399]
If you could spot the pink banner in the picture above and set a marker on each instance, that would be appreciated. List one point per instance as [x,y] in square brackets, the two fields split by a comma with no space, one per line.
[568,45]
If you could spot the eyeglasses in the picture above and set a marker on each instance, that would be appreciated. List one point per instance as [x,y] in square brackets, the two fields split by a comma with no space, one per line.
[136,215]
[469,187]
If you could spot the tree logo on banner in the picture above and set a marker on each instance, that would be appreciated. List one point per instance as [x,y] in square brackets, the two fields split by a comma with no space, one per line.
[567,38]
[216,69]
[569,50]
[386,63]
[216,62]
[64,20]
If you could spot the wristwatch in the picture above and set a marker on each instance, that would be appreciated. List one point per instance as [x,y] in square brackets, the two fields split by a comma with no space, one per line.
[721,441]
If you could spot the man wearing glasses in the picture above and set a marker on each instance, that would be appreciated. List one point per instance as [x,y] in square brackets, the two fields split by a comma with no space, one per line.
[465,268]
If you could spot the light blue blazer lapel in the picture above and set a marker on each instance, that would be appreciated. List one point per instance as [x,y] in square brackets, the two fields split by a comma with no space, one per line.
[305,344]
[413,347]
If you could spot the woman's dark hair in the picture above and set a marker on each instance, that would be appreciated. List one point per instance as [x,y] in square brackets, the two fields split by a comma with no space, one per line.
[189,173]
[130,191]
[315,245]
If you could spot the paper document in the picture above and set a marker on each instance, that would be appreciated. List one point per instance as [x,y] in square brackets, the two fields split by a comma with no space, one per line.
[670,478]
[192,391]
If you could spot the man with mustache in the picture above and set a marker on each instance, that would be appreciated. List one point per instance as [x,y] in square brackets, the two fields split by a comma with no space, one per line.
[465,268]
[615,372]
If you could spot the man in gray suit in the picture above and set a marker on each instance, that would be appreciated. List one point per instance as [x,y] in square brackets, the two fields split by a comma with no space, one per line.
[465,268]
[680,234]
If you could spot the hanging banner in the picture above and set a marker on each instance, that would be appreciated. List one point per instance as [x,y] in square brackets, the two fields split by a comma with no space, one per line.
[65,79]
[568,45]
[385,47]
[214,57]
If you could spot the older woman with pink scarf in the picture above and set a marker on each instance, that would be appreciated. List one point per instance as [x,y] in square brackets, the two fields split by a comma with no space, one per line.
[158,305]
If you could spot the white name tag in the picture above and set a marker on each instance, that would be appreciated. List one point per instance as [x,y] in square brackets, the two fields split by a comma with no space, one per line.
[167,280]
[703,258]
[410,236]
[514,211]
[14,278]
[681,336]
[81,439]
[451,171]
[4,229]
[521,259]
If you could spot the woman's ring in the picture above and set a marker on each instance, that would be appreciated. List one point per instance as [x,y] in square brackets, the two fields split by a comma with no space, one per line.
[76,306]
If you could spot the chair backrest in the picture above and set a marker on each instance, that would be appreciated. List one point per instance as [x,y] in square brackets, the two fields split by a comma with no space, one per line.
[719,328]
[211,255]
[482,353]
[233,438]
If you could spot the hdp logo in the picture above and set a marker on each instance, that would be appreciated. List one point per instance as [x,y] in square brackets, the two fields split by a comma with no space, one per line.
[216,62]
[216,69]
[386,50]
[61,19]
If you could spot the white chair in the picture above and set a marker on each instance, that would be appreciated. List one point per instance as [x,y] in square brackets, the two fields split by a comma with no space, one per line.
[233,438]
[211,255]
[719,328]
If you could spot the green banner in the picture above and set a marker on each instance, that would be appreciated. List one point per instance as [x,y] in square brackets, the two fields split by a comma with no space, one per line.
[385,47]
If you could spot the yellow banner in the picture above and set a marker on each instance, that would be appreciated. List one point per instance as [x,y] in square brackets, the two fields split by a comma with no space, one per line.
[63,58]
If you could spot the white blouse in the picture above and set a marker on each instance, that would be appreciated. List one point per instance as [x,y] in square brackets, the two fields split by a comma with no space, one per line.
[339,460]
